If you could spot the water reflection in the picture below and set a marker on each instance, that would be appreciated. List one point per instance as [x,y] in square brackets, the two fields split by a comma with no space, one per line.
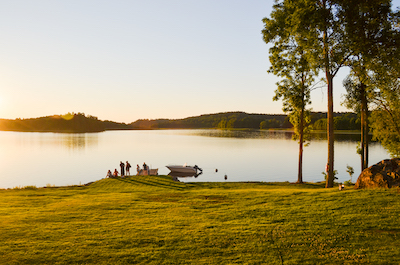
[177,176]
[243,155]
[71,141]
[78,141]
[276,134]
[340,136]
[246,134]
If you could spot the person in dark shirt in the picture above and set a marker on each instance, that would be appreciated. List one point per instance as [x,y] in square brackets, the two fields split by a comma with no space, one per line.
[122,165]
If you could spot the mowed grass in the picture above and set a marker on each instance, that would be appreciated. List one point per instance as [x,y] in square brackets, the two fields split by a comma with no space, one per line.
[154,220]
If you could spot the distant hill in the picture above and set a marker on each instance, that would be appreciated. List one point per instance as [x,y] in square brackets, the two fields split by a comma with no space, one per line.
[241,120]
[224,120]
[79,122]
[71,122]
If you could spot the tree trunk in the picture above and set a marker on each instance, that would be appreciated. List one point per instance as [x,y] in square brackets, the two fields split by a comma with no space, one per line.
[329,79]
[301,139]
[362,154]
[366,136]
[364,128]
[331,136]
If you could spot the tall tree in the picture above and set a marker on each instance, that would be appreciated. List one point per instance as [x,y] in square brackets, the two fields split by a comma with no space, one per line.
[294,90]
[386,115]
[295,93]
[320,31]
[369,36]
[289,62]
[357,99]
[327,40]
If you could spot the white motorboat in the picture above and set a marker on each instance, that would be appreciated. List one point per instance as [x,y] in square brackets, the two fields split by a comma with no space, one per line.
[184,169]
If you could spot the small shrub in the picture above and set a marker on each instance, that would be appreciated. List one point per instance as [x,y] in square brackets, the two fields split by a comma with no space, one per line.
[30,188]
[348,183]
[334,174]
[350,170]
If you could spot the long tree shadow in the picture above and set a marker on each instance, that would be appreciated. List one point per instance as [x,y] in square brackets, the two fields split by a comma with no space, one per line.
[158,182]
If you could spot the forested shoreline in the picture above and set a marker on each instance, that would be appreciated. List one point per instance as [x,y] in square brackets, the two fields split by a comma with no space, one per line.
[71,122]
[79,122]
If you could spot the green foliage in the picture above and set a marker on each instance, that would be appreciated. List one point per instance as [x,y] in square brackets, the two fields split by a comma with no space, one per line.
[295,119]
[154,220]
[313,32]
[344,121]
[348,121]
[358,148]
[352,99]
[238,120]
[350,170]
[384,127]
[367,24]
[270,123]
[320,124]
[222,124]
[292,64]
[70,122]
[231,123]
[224,120]
[31,187]
[335,172]
[385,119]
[348,183]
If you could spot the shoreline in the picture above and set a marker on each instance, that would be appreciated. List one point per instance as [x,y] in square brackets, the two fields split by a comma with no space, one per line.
[199,183]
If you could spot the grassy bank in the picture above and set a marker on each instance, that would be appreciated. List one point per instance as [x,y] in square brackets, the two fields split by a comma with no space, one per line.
[154,220]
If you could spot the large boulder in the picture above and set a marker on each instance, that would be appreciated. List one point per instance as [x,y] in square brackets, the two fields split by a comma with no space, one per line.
[385,174]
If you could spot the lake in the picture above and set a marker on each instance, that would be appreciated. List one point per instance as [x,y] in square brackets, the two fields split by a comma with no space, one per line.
[60,159]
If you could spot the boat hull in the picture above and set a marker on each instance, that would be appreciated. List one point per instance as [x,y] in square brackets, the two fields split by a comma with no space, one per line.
[182,169]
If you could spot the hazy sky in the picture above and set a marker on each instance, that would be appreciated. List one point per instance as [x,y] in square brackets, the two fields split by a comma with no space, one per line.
[127,60]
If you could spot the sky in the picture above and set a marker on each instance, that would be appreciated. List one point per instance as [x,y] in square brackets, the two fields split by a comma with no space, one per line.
[139,59]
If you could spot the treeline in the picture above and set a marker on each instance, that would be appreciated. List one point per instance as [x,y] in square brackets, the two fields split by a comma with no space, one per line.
[79,122]
[242,120]
[225,120]
[342,121]
[71,122]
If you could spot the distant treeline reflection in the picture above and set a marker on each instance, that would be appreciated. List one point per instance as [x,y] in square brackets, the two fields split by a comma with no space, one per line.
[274,134]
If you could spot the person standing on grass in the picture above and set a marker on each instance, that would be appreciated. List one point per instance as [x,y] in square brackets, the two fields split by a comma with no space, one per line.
[122,165]
[138,169]
[145,168]
[128,168]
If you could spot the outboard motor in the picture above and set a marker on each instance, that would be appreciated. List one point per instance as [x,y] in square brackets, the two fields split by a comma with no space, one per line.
[197,168]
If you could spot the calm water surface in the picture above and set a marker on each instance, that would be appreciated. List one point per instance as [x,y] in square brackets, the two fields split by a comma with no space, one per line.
[42,159]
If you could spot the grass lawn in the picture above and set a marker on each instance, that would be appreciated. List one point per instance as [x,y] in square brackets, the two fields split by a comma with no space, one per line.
[154,220]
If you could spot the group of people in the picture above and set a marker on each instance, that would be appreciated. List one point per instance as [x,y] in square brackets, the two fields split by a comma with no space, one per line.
[125,168]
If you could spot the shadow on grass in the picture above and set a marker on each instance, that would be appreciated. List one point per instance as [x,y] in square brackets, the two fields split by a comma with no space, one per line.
[153,181]
[318,185]
[257,184]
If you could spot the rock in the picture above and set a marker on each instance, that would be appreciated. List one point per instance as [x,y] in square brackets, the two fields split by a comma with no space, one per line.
[385,174]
